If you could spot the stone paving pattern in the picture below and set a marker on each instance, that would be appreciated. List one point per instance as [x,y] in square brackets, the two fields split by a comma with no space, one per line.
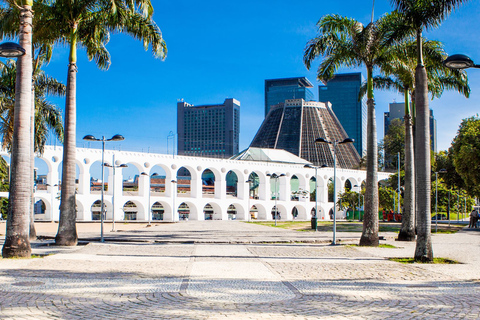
[234,270]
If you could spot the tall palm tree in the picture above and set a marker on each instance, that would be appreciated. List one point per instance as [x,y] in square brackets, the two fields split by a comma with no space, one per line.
[17,242]
[346,42]
[41,51]
[88,24]
[45,116]
[420,15]
[400,75]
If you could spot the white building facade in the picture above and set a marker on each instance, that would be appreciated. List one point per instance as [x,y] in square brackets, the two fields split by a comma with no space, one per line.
[217,204]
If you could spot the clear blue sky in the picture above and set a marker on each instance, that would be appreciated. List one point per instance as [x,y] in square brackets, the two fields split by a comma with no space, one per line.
[226,49]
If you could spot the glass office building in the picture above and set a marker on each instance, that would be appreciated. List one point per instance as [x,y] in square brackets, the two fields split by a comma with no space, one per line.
[279,90]
[210,131]
[342,92]
[396,110]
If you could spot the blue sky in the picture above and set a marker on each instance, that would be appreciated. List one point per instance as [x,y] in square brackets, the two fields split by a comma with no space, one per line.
[226,49]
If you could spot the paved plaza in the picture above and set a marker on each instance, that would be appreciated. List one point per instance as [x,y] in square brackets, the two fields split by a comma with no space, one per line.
[236,270]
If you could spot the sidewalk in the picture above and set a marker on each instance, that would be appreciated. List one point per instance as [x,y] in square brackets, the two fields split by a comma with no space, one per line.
[222,269]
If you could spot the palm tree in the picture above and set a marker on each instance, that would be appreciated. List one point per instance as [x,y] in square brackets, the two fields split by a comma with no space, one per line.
[402,68]
[17,242]
[9,25]
[47,115]
[88,24]
[346,42]
[420,15]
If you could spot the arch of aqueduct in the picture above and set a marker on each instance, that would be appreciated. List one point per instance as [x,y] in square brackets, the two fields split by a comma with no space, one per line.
[196,200]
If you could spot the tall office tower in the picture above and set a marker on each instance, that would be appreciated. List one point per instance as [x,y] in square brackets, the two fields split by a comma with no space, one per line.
[295,125]
[397,111]
[210,131]
[342,92]
[279,90]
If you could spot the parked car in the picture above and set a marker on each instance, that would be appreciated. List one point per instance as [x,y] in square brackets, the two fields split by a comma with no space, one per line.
[439,216]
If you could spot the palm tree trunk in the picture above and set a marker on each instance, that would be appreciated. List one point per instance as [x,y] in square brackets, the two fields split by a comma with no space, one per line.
[67,232]
[423,250]
[407,231]
[32,233]
[17,242]
[370,219]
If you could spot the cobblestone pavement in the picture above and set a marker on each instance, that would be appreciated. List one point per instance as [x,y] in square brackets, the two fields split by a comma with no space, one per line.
[148,280]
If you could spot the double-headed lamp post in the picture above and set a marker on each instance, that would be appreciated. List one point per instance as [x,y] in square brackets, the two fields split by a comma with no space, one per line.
[276,177]
[116,137]
[315,216]
[123,165]
[334,143]
[436,196]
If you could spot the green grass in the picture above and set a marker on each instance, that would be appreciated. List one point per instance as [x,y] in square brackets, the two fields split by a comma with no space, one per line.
[33,256]
[435,260]
[349,226]
[386,245]
[382,245]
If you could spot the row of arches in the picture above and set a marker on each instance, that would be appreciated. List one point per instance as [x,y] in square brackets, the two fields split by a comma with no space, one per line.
[134,180]
[154,186]
[133,211]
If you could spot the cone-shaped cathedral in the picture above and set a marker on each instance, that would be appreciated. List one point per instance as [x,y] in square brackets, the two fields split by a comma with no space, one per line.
[294,125]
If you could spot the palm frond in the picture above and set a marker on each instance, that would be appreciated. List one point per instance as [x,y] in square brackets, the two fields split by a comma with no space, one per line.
[47,116]
[425,14]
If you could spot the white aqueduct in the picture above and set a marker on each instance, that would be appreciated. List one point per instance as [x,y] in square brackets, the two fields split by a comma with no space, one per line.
[219,204]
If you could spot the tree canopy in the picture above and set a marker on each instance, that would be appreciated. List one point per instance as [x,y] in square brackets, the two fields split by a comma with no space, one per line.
[393,143]
[466,154]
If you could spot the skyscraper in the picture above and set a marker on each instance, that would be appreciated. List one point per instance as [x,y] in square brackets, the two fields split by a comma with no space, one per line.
[295,124]
[342,92]
[397,111]
[279,90]
[210,130]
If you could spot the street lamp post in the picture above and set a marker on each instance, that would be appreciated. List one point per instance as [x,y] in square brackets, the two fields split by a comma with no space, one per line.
[449,192]
[171,135]
[398,203]
[276,177]
[334,143]
[315,216]
[436,196]
[394,207]
[458,206]
[113,187]
[116,137]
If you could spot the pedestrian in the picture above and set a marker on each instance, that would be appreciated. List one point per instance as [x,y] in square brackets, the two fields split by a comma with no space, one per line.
[473,219]
[384,215]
